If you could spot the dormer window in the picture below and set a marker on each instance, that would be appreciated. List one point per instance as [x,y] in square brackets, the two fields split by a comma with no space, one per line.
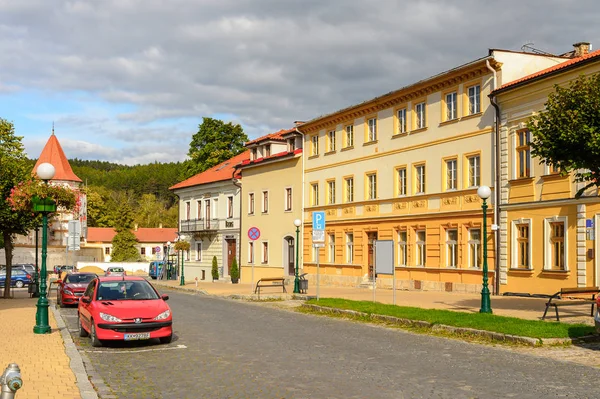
[253,154]
[291,145]
[267,150]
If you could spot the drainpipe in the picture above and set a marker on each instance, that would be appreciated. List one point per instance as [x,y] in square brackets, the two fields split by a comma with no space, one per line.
[238,185]
[496,182]
[302,205]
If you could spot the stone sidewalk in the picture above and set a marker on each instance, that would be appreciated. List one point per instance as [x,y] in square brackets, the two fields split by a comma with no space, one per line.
[45,365]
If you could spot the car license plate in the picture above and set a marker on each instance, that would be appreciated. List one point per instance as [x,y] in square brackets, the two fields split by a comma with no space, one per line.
[136,336]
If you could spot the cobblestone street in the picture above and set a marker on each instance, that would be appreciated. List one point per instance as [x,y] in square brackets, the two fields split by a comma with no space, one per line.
[232,349]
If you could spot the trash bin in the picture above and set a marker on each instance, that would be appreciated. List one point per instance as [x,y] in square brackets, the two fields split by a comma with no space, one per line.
[33,289]
[303,283]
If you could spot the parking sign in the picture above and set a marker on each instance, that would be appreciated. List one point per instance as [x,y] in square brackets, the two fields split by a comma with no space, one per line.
[318,220]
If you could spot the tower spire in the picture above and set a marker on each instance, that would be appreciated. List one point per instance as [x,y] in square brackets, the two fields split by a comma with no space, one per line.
[53,128]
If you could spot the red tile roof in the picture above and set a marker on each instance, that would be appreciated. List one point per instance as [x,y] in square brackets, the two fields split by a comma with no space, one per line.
[220,172]
[143,234]
[277,136]
[54,154]
[278,155]
[541,74]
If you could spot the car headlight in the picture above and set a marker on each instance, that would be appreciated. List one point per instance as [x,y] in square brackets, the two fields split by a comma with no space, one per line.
[108,317]
[68,292]
[163,315]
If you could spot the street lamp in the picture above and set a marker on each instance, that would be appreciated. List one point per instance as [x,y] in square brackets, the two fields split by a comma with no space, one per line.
[167,266]
[297,223]
[484,193]
[182,280]
[45,171]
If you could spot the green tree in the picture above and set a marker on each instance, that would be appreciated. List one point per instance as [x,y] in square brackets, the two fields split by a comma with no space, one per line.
[215,142]
[567,134]
[14,169]
[215,269]
[235,271]
[124,242]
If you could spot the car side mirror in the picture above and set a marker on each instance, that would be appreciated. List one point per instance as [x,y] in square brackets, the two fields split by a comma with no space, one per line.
[86,299]
[164,297]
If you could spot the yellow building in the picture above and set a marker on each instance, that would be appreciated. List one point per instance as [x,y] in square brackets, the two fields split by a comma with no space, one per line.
[405,167]
[271,201]
[548,240]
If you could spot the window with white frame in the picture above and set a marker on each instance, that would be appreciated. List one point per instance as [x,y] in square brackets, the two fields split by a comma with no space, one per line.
[402,248]
[349,135]
[291,145]
[452,247]
[451,174]
[372,186]
[215,209]
[419,179]
[314,195]
[331,192]
[230,206]
[522,245]
[474,248]
[265,202]
[331,240]
[349,248]
[331,139]
[267,150]
[401,120]
[288,199]
[523,150]
[349,183]
[372,129]
[474,93]
[474,171]
[555,254]
[199,251]
[314,148]
[187,210]
[251,203]
[199,209]
[254,154]
[401,181]
[251,252]
[265,252]
[451,106]
[420,116]
[421,251]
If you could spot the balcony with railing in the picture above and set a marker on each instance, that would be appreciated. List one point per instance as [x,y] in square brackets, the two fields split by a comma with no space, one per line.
[197,225]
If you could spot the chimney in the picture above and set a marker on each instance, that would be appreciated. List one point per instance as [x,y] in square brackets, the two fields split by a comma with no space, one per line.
[582,48]
[298,123]
[160,225]
[135,227]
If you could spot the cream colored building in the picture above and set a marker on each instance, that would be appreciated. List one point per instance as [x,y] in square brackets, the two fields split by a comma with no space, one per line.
[548,238]
[405,167]
[271,201]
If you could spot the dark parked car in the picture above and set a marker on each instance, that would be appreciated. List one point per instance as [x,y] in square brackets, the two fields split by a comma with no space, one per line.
[18,278]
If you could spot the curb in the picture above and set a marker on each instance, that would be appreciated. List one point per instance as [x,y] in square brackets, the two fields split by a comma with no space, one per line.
[494,336]
[86,389]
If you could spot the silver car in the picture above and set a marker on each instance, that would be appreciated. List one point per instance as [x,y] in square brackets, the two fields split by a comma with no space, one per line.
[115,271]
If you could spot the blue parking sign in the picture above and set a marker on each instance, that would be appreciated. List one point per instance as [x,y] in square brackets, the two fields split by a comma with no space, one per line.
[318,220]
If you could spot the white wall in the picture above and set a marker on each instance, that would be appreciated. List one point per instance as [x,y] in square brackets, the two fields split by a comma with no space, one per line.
[128,266]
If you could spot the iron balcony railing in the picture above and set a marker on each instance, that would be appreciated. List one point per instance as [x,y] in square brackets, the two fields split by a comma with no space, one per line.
[193,225]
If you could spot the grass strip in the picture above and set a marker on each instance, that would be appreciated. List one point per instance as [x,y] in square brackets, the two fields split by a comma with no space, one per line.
[479,321]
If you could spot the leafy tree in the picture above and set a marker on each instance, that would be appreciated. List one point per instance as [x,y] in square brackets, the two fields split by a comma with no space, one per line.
[124,242]
[13,170]
[567,134]
[215,269]
[215,142]
[235,271]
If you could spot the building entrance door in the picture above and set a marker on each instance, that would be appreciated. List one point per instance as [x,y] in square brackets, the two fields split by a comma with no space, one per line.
[371,238]
[230,255]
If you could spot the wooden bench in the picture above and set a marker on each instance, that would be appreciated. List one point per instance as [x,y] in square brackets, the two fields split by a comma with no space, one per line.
[267,282]
[572,297]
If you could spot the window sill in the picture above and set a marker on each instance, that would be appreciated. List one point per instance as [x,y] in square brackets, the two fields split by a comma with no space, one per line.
[287,210]
[449,122]
[422,129]
[370,143]
[350,147]
[264,213]
[329,152]
[556,272]
[398,135]
[554,176]
[520,270]
[313,156]
[472,116]
[521,180]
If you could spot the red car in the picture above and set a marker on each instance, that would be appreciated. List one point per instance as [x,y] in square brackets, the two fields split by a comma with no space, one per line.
[125,308]
[71,289]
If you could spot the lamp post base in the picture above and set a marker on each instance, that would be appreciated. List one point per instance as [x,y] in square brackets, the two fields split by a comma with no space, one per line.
[296,285]
[486,304]
[42,326]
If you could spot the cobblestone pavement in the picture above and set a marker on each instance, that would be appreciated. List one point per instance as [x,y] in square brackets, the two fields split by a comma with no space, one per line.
[232,349]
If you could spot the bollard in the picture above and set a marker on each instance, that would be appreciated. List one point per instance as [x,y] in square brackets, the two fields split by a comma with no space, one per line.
[11,381]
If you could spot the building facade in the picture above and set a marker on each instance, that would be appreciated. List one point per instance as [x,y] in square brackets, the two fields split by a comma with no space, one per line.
[271,201]
[209,218]
[405,167]
[151,241]
[548,238]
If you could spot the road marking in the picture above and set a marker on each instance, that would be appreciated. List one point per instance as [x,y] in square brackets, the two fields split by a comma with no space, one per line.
[139,351]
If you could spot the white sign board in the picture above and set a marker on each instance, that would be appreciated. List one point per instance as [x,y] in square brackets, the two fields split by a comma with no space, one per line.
[384,257]
[318,236]
[74,237]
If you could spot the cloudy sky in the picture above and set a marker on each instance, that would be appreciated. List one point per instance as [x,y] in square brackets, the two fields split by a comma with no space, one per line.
[129,81]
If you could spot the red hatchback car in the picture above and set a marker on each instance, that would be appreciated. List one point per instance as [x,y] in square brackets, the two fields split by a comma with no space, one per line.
[72,287]
[124,308]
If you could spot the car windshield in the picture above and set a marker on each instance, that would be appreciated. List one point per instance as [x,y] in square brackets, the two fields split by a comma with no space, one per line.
[125,290]
[79,278]
[115,269]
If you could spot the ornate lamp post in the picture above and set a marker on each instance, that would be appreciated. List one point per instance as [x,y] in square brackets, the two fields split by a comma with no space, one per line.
[297,223]
[166,265]
[182,244]
[484,193]
[45,171]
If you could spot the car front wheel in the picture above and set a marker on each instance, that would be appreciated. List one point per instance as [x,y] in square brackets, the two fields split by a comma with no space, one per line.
[19,284]
[82,332]
[96,343]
